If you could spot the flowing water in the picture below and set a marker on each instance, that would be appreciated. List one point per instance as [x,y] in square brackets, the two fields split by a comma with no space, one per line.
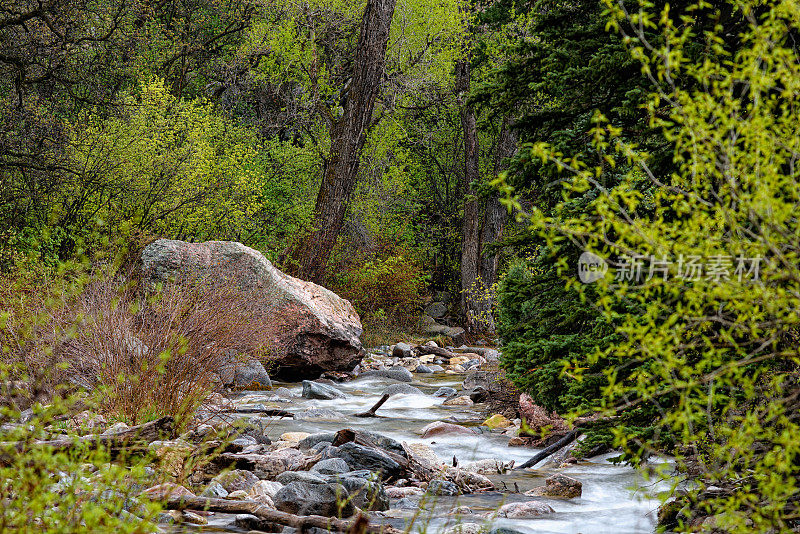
[615,498]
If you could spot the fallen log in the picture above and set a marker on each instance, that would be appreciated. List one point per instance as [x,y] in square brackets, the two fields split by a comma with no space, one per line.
[301,523]
[371,411]
[272,412]
[436,351]
[547,451]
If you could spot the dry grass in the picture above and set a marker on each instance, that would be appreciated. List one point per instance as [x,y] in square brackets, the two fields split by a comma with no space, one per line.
[143,355]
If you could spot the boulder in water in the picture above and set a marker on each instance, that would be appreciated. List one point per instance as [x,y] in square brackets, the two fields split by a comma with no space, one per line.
[305,498]
[439,428]
[315,390]
[311,329]
[558,485]
[524,510]
[401,374]
[402,389]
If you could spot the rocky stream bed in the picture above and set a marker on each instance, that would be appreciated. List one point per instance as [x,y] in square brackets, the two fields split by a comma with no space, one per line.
[609,502]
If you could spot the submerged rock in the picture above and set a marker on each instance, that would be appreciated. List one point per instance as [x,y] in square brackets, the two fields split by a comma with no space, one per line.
[445,391]
[306,498]
[524,510]
[439,428]
[402,389]
[310,329]
[558,485]
[399,373]
[315,390]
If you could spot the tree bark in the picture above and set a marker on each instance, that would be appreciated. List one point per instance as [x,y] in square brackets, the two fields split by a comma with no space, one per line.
[470,240]
[348,135]
[301,523]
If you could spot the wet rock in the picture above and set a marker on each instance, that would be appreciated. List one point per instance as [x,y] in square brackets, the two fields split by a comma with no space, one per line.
[235,480]
[164,491]
[401,374]
[497,421]
[315,390]
[267,488]
[466,528]
[463,400]
[253,428]
[445,391]
[314,439]
[192,518]
[423,369]
[116,428]
[489,466]
[242,371]
[311,329]
[442,487]
[294,437]
[423,454]
[406,504]
[215,491]
[393,492]
[304,498]
[331,466]
[319,414]
[251,522]
[402,389]
[401,350]
[524,510]
[479,394]
[361,457]
[300,476]
[365,492]
[558,485]
[439,428]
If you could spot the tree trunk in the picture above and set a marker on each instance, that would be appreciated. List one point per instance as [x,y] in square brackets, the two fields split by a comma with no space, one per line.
[470,241]
[348,135]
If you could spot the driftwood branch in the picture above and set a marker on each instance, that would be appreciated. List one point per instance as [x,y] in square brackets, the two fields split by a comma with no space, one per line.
[272,412]
[437,351]
[371,411]
[301,523]
[563,442]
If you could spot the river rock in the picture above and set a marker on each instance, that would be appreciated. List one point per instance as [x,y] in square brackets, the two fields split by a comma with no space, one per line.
[467,528]
[497,421]
[251,522]
[445,391]
[442,487]
[365,493]
[315,390]
[266,488]
[294,437]
[361,457]
[524,510]
[558,485]
[236,479]
[431,328]
[401,350]
[304,498]
[401,374]
[215,490]
[423,369]
[406,504]
[425,455]
[463,400]
[402,389]
[309,328]
[436,368]
[300,476]
[242,371]
[238,495]
[331,466]
[164,491]
[314,439]
[394,492]
[440,428]
[410,363]
[319,414]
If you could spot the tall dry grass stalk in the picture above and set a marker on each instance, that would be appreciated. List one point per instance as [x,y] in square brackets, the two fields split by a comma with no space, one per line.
[144,354]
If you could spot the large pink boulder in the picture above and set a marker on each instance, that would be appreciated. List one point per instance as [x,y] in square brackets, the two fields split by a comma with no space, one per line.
[309,328]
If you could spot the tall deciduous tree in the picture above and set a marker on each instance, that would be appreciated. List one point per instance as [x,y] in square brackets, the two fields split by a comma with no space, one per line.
[348,135]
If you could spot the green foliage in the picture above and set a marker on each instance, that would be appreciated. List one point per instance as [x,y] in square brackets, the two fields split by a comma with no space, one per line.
[715,356]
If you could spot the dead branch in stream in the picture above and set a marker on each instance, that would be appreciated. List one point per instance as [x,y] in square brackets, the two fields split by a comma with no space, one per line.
[371,411]
[563,442]
[301,523]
